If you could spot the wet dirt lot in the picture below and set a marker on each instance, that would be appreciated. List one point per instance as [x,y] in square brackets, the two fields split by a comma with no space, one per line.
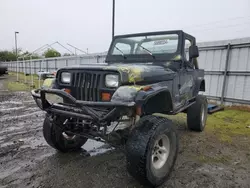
[205,160]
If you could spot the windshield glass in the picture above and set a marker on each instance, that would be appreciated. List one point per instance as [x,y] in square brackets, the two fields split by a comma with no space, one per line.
[150,44]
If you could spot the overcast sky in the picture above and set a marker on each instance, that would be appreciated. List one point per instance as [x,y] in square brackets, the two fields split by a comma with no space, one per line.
[87,23]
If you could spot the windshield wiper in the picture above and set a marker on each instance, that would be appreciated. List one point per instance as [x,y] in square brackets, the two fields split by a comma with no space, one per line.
[121,52]
[146,50]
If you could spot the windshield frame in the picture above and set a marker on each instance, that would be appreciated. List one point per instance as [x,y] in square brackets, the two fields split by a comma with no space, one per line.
[110,58]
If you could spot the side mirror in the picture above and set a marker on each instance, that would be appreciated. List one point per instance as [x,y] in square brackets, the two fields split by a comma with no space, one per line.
[193,51]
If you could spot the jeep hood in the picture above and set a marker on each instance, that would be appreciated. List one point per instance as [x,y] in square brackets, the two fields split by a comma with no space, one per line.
[133,73]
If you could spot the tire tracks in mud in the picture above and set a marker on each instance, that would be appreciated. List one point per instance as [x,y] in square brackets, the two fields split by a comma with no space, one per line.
[22,146]
[20,132]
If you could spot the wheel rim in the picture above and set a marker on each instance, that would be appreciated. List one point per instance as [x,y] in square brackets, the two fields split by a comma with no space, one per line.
[160,152]
[68,137]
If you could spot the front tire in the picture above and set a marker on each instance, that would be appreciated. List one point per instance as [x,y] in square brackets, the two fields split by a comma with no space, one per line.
[197,114]
[151,150]
[58,139]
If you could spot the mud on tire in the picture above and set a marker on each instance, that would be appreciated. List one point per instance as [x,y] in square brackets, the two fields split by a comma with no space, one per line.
[197,114]
[152,139]
[55,137]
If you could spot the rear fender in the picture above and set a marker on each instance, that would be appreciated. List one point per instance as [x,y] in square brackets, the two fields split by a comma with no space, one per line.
[199,86]
[199,81]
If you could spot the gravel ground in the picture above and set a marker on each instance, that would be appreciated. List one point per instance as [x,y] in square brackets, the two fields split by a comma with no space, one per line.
[27,161]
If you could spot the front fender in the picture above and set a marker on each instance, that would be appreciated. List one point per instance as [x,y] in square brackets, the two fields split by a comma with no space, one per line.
[126,93]
[154,99]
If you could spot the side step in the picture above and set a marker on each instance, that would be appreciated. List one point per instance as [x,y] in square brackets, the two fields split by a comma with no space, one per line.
[212,108]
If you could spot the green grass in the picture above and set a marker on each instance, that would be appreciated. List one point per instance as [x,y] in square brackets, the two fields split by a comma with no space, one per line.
[17,86]
[225,125]
[24,82]
[229,123]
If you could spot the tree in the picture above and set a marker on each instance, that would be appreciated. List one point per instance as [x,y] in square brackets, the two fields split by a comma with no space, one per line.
[27,55]
[67,54]
[19,51]
[7,56]
[35,56]
[51,53]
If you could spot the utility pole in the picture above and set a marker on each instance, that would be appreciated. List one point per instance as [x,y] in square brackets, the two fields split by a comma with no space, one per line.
[113,20]
[16,32]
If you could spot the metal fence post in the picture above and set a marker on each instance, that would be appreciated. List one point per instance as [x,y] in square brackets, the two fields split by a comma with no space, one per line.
[25,72]
[22,70]
[32,75]
[55,64]
[17,69]
[225,73]
[79,62]
[97,58]
[36,66]
[47,66]
[39,78]
[40,65]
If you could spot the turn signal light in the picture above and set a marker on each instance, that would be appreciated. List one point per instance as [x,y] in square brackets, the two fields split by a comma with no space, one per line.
[146,88]
[67,90]
[106,96]
[138,110]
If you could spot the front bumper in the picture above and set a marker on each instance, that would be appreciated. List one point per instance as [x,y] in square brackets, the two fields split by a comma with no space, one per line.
[87,110]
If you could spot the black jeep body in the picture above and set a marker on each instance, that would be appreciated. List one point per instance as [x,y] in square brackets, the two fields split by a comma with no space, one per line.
[144,74]
[174,80]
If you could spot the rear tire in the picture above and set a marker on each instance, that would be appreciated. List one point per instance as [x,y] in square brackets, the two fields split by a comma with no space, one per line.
[59,140]
[197,114]
[151,150]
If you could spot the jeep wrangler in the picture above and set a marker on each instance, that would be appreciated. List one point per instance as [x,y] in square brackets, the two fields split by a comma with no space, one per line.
[144,75]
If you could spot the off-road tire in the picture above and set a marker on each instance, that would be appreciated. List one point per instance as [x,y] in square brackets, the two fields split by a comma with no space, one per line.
[197,114]
[53,135]
[140,147]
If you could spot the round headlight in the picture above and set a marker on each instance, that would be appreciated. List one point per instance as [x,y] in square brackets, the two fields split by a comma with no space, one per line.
[111,80]
[65,77]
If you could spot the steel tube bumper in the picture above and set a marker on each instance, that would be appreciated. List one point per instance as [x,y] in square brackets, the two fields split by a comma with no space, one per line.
[76,108]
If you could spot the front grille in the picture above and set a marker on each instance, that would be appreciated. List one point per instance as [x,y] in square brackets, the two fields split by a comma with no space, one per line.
[86,86]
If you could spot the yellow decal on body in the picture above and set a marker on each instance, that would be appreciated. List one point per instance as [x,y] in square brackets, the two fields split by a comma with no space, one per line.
[48,83]
[178,57]
[136,87]
[134,73]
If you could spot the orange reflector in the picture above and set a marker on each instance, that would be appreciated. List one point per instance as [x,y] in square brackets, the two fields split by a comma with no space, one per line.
[106,96]
[138,110]
[67,90]
[146,88]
